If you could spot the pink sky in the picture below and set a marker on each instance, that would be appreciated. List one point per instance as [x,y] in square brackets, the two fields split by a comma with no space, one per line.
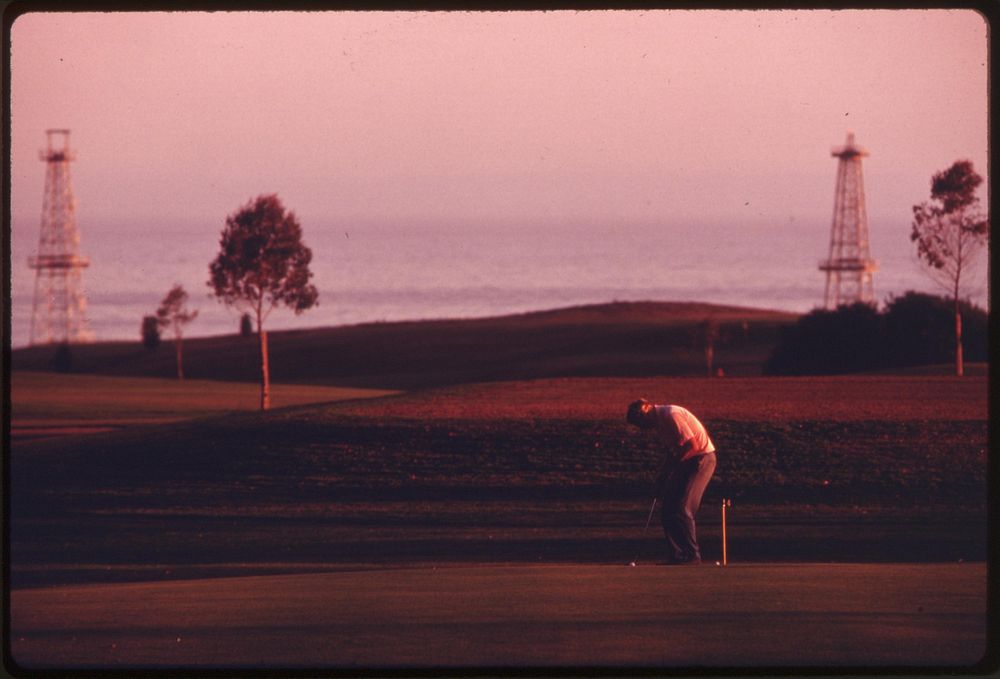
[548,117]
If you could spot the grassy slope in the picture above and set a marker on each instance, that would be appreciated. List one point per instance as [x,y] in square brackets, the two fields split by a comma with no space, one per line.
[639,338]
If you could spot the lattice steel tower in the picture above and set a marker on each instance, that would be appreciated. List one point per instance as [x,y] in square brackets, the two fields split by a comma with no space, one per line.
[849,267]
[59,310]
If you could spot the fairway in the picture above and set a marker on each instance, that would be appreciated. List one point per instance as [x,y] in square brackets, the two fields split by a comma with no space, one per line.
[60,400]
[746,615]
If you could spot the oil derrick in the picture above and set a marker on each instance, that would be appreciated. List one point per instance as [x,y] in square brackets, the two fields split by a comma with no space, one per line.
[849,267]
[59,309]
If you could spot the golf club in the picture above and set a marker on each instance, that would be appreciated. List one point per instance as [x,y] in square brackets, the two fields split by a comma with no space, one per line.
[645,528]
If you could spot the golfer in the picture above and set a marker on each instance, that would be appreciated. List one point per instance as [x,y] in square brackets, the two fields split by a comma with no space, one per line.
[686,469]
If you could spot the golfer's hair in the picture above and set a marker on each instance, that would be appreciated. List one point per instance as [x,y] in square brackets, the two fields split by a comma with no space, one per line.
[636,410]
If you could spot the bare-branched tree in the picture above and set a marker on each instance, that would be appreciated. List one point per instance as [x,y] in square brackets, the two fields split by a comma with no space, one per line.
[173,314]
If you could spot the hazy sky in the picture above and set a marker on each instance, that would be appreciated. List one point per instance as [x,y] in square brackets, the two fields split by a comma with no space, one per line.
[559,117]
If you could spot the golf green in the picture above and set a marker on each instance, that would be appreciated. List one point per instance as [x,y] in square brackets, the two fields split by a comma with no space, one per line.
[459,616]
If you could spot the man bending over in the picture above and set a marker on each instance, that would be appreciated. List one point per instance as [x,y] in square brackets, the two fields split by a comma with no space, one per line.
[683,475]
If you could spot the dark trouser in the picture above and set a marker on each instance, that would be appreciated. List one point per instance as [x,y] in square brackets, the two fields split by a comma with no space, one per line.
[681,498]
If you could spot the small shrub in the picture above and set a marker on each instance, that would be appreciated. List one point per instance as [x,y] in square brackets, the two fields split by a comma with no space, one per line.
[150,332]
[62,361]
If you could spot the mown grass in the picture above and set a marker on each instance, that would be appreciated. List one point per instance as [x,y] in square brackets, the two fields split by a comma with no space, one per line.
[52,398]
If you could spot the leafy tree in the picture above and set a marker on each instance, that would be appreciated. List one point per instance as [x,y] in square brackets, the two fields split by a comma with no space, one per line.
[262,264]
[150,332]
[950,231]
[173,314]
[915,329]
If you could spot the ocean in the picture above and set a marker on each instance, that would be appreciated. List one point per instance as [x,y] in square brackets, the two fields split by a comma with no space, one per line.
[374,272]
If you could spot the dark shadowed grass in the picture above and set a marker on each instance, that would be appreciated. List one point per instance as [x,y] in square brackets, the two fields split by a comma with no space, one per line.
[640,338]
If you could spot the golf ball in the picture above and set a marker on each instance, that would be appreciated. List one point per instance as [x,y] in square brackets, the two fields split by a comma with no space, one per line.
[631,563]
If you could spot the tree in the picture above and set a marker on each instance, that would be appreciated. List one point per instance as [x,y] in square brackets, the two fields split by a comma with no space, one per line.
[262,264]
[150,332]
[950,231]
[173,314]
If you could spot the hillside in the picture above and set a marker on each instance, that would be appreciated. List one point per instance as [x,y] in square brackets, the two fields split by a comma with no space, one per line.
[617,339]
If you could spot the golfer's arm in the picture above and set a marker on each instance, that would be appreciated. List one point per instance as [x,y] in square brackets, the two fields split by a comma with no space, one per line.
[674,453]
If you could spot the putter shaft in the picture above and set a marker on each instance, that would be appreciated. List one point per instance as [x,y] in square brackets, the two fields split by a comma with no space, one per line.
[650,517]
[645,528]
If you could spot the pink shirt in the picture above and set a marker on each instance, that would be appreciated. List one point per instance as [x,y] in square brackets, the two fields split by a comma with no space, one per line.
[677,426]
